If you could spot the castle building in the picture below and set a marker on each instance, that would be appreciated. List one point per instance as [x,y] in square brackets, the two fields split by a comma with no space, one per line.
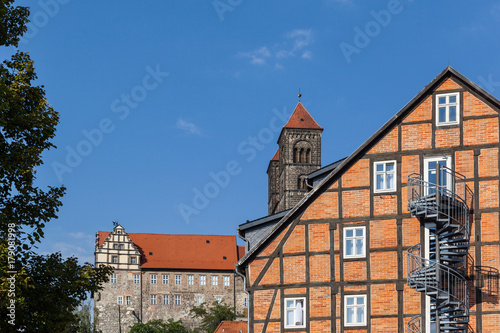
[401,236]
[159,276]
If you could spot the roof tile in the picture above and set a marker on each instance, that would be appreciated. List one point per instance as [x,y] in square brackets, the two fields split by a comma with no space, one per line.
[300,118]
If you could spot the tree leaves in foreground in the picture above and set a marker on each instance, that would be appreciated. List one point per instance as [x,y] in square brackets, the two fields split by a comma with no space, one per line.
[158,326]
[212,316]
[38,293]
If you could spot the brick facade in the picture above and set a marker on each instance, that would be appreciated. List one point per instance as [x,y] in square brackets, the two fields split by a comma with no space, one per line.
[304,257]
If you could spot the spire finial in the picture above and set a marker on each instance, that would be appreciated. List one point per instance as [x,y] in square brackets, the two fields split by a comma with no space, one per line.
[300,95]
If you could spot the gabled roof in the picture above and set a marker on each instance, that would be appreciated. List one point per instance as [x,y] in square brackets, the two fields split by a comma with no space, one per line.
[300,118]
[184,251]
[335,174]
[262,221]
[232,327]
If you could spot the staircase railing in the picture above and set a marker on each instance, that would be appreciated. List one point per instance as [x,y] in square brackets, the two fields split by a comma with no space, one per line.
[443,275]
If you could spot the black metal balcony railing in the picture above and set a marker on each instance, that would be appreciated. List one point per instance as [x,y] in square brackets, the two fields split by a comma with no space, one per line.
[441,273]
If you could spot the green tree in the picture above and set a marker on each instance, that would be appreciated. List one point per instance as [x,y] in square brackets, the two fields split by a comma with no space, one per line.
[213,315]
[37,293]
[158,326]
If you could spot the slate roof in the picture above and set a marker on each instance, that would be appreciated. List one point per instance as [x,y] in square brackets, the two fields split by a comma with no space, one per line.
[448,72]
[205,252]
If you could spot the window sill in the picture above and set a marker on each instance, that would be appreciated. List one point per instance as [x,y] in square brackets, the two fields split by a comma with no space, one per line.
[447,126]
[355,258]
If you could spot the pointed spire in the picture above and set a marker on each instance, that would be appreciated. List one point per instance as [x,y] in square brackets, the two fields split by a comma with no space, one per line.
[276,156]
[300,118]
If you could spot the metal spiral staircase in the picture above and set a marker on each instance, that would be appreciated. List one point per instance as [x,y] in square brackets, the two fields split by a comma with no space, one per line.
[440,270]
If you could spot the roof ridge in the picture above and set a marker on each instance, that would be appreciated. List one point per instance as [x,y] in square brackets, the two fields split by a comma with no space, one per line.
[302,119]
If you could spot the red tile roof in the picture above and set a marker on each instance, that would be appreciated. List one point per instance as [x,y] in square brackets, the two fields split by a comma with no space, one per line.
[184,251]
[232,327]
[300,118]
[241,252]
[276,156]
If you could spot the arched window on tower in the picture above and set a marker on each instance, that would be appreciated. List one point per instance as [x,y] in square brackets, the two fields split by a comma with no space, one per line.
[302,185]
[302,152]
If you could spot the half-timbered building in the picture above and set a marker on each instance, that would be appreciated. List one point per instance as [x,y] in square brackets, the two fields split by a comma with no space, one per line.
[400,236]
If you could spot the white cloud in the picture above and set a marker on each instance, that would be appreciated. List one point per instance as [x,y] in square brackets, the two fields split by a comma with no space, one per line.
[187,127]
[258,57]
[294,44]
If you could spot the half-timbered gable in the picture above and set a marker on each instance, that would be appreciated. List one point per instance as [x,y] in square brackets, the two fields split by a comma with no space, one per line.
[401,236]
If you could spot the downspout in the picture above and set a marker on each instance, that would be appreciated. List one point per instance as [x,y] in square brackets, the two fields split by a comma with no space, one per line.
[246,292]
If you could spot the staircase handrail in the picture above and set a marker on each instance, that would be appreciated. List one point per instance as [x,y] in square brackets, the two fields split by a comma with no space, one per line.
[454,283]
[415,325]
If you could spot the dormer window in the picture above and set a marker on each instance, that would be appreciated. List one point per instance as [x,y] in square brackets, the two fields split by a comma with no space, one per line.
[447,109]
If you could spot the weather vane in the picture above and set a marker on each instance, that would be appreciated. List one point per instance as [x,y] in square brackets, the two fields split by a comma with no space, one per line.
[300,95]
[115,223]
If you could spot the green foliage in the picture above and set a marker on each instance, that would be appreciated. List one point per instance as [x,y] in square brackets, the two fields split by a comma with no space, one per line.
[83,319]
[158,326]
[13,22]
[39,293]
[212,316]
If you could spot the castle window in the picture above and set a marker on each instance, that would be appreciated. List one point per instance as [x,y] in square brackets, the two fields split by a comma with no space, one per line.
[114,259]
[245,302]
[199,300]
[166,301]
[153,278]
[226,281]
[113,278]
[218,299]
[177,279]
[165,278]
[177,299]
[203,280]
[119,300]
[190,279]
[115,246]
[153,299]
[385,176]
[354,242]
[308,156]
[137,278]
[447,109]
[295,312]
[215,280]
[355,310]
[128,300]
[302,155]
[133,260]
[121,247]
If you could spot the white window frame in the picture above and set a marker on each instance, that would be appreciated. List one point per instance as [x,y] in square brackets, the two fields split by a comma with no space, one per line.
[113,278]
[215,280]
[294,299]
[199,300]
[153,279]
[447,105]
[178,280]
[218,299]
[133,260]
[177,300]
[164,278]
[190,280]
[354,238]
[226,281]
[114,259]
[355,307]
[152,300]
[119,300]
[384,173]
[203,280]
[166,299]
[137,278]
[128,300]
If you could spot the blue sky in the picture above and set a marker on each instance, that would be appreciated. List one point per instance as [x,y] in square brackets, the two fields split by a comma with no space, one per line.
[163,100]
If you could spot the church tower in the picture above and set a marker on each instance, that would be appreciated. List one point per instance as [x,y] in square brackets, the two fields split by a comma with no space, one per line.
[298,155]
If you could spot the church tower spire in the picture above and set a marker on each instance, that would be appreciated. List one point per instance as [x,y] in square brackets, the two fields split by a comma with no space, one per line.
[299,154]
